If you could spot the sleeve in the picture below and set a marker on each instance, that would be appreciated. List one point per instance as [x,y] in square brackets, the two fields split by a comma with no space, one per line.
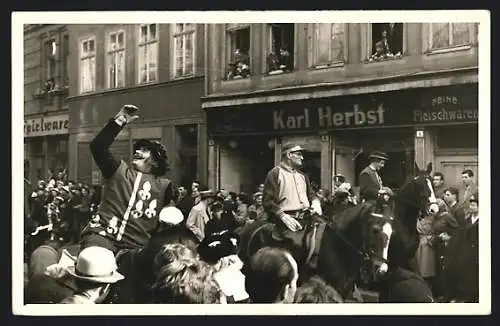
[99,148]
[192,224]
[271,192]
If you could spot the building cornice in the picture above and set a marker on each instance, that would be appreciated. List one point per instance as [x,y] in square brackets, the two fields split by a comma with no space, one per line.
[349,87]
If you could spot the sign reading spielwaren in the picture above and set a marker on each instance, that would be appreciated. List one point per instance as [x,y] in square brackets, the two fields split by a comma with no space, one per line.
[46,126]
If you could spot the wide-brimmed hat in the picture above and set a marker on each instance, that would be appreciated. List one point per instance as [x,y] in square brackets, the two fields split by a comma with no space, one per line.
[96,264]
[378,155]
[291,147]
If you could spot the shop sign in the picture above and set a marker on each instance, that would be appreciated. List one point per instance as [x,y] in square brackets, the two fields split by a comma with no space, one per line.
[46,126]
[414,107]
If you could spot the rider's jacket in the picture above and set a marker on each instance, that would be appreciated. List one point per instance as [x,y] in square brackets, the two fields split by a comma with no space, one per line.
[131,200]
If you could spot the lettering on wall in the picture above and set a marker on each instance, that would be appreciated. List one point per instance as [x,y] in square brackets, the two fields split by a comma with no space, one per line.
[46,126]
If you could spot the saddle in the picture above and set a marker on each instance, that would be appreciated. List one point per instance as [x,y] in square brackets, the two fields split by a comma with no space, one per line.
[303,244]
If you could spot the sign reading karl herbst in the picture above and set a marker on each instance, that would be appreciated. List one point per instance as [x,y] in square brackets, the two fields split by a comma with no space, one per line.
[412,107]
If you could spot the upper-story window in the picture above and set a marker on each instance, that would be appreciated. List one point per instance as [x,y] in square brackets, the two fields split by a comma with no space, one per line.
[65,52]
[328,44]
[148,53]
[50,48]
[184,49]
[449,35]
[386,41]
[116,59]
[280,48]
[87,65]
[238,48]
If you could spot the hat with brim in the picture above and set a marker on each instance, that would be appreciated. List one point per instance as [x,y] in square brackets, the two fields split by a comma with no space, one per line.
[378,156]
[105,279]
[290,148]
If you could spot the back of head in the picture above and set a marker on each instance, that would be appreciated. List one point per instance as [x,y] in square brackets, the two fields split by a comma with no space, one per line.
[269,271]
[315,290]
[186,281]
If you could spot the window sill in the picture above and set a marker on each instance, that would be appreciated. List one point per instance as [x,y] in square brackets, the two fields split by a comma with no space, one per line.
[185,77]
[449,50]
[277,72]
[237,78]
[387,59]
[328,65]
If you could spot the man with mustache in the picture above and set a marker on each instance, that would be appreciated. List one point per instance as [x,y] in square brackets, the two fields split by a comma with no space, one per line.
[132,194]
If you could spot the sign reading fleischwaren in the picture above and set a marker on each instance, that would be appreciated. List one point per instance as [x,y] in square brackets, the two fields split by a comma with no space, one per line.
[46,126]
[432,106]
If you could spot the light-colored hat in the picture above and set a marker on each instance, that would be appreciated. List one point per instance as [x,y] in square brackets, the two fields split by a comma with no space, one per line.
[96,264]
[171,215]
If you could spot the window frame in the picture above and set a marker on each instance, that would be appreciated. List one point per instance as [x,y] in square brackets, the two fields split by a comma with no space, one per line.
[428,38]
[110,51]
[267,48]
[313,49]
[140,45]
[81,58]
[227,30]
[174,48]
[65,54]
[50,61]
[366,39]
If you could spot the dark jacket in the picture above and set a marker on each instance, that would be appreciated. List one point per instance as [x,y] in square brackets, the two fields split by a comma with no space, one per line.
[368,184]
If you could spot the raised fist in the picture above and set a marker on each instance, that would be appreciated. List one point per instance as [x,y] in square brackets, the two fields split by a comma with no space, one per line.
[126,114]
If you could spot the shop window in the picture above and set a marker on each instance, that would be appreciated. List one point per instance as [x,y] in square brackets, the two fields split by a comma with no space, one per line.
[184,49]
[328,44]
[458,138]
[87,65]
[280,48]
[238,46]
[449,35]
[386,41]
[148,53]
[116,59]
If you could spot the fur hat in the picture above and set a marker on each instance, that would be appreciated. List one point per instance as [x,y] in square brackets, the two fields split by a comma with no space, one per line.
[158,152]
[217,245]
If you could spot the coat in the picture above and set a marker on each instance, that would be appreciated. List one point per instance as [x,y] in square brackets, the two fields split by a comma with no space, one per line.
[461,265]
[197,220]
[369,184]
[426,255]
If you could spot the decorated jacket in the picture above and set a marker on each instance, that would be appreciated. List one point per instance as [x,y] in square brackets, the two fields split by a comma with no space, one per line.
[131,200]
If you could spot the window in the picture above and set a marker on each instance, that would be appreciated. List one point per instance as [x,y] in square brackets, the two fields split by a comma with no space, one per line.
[65,76]
[50,64]
[184,39]
[148,53]
[87,65]
[238,46]
[328,46]
[280,48]
[386,41]
[448,35]
[116,59]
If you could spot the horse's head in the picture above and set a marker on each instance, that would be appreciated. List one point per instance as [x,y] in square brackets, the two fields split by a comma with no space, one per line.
[423,190]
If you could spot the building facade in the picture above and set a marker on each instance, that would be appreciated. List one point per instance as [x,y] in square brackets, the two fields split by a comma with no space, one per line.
[341,91]
[46,110]
[156,67]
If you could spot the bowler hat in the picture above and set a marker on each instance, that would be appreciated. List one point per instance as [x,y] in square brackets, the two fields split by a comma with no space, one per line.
[291,147]
[378,155]
[96,264]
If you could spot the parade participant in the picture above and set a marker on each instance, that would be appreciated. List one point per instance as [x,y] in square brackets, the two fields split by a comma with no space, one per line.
[132,195]
[369,180]
[288,194]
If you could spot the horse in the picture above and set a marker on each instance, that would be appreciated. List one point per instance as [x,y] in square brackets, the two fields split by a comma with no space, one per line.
[334,248]
[414,199]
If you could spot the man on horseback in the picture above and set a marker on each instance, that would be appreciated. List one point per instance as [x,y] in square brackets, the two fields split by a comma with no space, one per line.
[370,182]
[132,195]
[288,195]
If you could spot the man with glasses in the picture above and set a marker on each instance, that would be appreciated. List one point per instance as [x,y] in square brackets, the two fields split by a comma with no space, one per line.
[288,194]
